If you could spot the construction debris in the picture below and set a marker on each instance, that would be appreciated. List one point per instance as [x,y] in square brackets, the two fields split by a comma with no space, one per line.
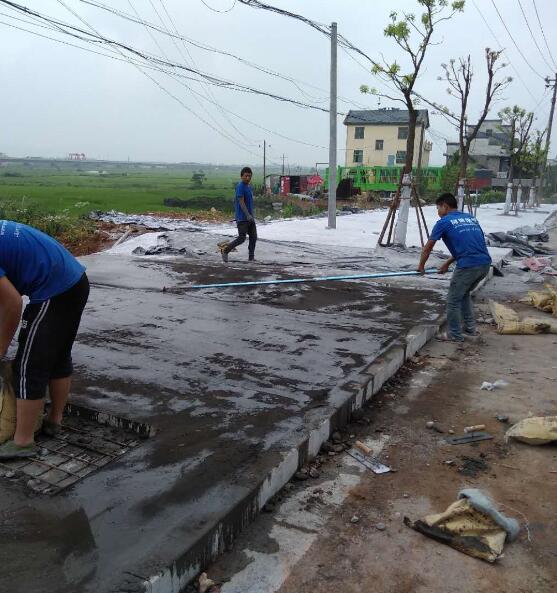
[491,386]
[544,300]
[534,431]
[471,437]
[472,525]
[508,322]
[474,428]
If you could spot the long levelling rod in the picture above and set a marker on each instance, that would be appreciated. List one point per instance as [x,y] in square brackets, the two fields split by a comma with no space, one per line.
[315,279]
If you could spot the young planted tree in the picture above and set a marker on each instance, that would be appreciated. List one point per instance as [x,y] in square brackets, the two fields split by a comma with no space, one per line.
[459,75]
[517,125]
[414,36]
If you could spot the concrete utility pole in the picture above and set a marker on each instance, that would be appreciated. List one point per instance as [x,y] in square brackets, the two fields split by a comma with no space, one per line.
[548,83]
[283,157]
[333,133]
[264,162]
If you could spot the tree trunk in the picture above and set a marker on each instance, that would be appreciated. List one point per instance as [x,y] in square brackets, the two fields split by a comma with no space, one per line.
[412,120]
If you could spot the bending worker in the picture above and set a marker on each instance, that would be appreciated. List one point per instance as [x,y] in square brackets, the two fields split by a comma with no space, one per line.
[35,265]
[465,240]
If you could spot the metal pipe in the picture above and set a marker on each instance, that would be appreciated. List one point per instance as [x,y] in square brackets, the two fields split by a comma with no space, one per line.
[315,279]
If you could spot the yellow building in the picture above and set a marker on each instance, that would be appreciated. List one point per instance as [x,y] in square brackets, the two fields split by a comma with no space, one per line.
[377,137]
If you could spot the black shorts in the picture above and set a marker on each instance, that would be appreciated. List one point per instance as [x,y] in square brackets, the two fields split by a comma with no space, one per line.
[46,337]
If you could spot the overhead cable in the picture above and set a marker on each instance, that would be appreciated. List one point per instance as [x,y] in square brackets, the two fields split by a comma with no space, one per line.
[533,36]
[543,33]
[515,43]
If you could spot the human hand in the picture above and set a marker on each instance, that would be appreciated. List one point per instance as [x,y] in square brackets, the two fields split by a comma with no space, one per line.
[444,268]
[250,218]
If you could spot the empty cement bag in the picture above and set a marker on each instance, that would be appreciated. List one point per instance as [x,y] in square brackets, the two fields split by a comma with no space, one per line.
[471,525]
[508,322]
[534,431]
[7,403]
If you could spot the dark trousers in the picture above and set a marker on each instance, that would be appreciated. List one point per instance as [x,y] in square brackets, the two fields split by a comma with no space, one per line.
[245,227]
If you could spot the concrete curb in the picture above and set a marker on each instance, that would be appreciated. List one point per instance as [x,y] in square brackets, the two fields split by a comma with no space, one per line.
[351,396]
[357,393]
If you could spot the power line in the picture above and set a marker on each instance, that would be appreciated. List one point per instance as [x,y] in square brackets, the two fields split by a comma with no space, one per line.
[543,34]
[209,78]
[160,86]
[205,47]
[150,67]
[515,43]
[532,35]
[207,90]
[503,50]
[215,10]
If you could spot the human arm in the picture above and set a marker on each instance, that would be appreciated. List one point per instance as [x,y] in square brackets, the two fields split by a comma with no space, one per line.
[444,267]
[426,252]
[242,202]
[10,313]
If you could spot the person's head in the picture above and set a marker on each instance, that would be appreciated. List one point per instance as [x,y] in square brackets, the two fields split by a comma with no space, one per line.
[245,174]
[446,203]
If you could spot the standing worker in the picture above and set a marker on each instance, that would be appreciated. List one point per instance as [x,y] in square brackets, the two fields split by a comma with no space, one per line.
[465,240]
[245,221]
[35,265]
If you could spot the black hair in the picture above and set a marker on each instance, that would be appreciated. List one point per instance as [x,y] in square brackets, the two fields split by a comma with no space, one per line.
[447,198]
[246,170]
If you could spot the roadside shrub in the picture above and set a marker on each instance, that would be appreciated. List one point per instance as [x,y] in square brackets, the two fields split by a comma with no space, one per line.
[69,230]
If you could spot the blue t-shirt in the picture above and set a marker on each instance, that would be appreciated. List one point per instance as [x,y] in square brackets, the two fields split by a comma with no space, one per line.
[464,238]
[243,191]
[37,265]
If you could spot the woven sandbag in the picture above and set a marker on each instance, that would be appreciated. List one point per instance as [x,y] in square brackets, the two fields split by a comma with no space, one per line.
[7,404]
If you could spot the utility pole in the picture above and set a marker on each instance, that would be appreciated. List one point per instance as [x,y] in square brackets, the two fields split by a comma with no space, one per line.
[283,157]
[548,82]
[264,162]
[333,132]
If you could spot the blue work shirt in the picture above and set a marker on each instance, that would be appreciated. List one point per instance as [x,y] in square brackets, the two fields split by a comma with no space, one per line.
[37,265]
[243,191]
[464,238]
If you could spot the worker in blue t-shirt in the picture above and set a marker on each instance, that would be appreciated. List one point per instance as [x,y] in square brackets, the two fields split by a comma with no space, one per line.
[35,265]
[465,240]
[245,221]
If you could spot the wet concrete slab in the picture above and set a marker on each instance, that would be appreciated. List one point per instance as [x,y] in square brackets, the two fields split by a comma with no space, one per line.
[241,385]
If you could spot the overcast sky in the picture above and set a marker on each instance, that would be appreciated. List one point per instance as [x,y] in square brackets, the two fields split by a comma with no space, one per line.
[57,99]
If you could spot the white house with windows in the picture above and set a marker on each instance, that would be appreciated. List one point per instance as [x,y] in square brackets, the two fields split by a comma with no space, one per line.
[377,137]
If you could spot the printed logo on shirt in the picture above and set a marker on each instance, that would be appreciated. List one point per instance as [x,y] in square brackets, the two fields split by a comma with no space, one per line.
[459,221]
[23,323]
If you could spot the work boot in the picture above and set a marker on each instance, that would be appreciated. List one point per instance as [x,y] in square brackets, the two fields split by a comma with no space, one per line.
[9,450]
[224,255]
[251,258]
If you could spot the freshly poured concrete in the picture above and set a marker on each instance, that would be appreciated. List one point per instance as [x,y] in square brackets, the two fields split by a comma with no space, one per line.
[241,384]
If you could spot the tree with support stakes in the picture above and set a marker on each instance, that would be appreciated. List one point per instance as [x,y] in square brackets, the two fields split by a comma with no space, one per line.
[414,36]
[517,125]
[400,29]
[459,76]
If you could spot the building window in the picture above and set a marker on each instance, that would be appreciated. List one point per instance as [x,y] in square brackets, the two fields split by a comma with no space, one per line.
[379,145]
[403,133]
[400,157]
[359,132]
[489,133]
[358,156]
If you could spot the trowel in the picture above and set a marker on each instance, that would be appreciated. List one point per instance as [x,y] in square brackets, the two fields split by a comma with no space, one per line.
[363,454]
